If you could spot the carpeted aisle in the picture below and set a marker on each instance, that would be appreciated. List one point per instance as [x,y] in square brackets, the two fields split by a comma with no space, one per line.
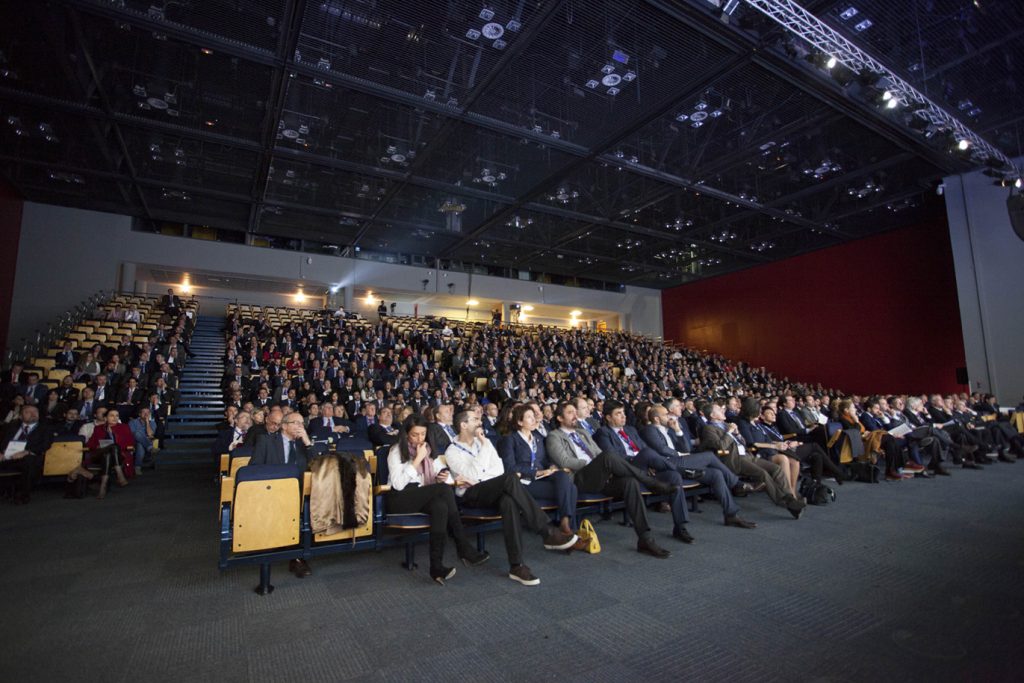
[916,580]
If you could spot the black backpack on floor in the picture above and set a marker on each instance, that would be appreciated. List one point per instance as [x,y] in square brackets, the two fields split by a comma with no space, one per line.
[817,493]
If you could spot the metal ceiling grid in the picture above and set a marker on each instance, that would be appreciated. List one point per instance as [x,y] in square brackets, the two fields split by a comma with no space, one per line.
[597,66]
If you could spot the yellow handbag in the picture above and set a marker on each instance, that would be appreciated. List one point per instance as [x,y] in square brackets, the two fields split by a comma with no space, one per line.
[589,536]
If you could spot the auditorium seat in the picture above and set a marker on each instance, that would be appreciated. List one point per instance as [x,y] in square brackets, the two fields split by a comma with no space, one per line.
[262,512]
[63,457]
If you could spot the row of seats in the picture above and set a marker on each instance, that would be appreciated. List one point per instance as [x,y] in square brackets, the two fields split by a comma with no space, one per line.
[264,516]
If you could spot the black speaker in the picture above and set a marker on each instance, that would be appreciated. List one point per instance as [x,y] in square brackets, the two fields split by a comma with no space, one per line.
[1015,207]
[961,374]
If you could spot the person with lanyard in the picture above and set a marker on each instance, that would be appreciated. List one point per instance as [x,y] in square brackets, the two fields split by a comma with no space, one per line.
[769,440]
[481,481]
[524,453]
[572,449]
[419,485]
[107,446]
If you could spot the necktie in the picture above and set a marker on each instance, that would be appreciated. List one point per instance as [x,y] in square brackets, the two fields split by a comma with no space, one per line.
[580,444]
[22,433]
[289,454]
[625,437]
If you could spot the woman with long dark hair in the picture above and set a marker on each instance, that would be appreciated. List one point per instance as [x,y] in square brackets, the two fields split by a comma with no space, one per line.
[419,484]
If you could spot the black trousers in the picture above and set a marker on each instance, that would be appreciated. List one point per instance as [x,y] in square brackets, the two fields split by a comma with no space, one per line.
[107,458]
[438,501]
[613,476]
[29,469]
[894,458]
[509,495]
[813,455]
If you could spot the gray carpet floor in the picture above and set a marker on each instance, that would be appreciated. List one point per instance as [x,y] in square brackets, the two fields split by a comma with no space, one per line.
[909,581]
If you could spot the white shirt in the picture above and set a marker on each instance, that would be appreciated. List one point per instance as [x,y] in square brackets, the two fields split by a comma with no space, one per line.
[401,474]
[478,461]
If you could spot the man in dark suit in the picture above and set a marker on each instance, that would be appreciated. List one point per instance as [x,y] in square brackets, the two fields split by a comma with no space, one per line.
[328,425]
[290,446]
[623,440]
[103,392]
[32,441]
[366,419]
[665,436]
[440,432]
[790,421]
[383,432]
[171,303]
[66,359]
[68,425]
[33,391]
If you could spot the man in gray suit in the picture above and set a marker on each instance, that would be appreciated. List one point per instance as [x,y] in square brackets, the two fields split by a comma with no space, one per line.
[290,446]
[724,438]
[572,448]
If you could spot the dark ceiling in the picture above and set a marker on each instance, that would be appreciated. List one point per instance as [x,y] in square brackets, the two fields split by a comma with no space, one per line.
[563,131]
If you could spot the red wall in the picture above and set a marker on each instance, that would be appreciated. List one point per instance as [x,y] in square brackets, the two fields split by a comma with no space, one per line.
[10,234]
[875,315]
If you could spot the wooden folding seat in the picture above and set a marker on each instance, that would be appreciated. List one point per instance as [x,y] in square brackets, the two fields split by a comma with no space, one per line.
[262,513]
[62,457]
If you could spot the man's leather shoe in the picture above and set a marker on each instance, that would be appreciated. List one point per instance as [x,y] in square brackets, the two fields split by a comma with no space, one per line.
[971,465]
[649,547]
[739,523]
[1007,457]
[942,471]
[681,534]
[663,507]
[300,568]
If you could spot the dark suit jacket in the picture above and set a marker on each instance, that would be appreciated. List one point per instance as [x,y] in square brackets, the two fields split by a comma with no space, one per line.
[516,456]
[652,437]
[318,431]
[269,450]
[38,441]
[608,440]
[379,437]
[437,438]
[786,424]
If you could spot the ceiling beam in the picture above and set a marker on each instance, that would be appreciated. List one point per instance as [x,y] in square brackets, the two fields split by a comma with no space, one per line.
[649,116]
[533,28]
[287,42]
[76,26]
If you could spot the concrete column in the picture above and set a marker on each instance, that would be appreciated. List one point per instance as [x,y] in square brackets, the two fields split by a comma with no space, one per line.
[505,313]
[127,280]
[347,296]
